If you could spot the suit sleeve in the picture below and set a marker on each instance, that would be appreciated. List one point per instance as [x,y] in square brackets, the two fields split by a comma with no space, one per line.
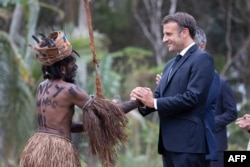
[213,93]
[228,106]
[144,111]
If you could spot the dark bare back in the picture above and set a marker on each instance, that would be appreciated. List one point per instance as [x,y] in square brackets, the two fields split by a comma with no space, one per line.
[55,103]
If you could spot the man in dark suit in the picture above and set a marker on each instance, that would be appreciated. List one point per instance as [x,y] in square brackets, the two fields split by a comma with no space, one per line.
[181,95]
[201,40]
[225,114]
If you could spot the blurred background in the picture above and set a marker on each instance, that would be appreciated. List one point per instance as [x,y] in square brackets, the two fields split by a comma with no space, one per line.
[128,40]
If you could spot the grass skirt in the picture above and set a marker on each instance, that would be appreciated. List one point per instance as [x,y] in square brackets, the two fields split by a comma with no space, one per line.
[48,150]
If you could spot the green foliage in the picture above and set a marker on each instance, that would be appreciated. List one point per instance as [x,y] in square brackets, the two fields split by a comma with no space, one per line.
[110,79]
[122,70]
[130,59]
[80,43]
[17,108]
[9,2]
[219,61]
[128,62]
[237,137]
[143,140]
[111,13]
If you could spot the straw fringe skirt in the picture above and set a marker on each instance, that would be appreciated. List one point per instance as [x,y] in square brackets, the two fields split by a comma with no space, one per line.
[47,150]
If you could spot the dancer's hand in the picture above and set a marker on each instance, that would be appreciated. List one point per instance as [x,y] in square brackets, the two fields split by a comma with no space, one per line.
[144,94]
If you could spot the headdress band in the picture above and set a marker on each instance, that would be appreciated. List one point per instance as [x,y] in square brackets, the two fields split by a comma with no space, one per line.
[53,48]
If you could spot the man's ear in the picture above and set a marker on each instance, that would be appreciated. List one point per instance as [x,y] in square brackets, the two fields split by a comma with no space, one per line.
[202,46]
[185,32]
[63,70]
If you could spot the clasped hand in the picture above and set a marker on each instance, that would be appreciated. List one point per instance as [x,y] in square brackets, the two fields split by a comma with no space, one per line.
[244,122]
[144,94]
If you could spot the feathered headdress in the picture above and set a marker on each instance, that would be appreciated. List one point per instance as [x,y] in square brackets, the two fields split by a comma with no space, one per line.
[52,48]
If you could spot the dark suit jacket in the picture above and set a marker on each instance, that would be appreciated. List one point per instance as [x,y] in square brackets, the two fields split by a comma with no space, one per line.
[181,103]
[210,117]
[225,113]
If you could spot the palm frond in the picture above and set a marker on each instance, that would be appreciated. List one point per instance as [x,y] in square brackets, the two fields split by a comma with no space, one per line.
[17,106]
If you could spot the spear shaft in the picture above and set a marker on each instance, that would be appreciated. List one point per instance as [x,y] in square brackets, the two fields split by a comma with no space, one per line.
[92,48]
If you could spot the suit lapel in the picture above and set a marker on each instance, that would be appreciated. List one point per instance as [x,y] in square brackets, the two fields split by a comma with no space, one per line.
[164,81]
[177,67]
[180,63]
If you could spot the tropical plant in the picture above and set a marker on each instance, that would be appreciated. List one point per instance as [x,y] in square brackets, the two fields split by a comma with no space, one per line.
[17,106]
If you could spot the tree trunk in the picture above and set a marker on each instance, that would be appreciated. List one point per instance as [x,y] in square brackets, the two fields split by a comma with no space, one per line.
[152,29]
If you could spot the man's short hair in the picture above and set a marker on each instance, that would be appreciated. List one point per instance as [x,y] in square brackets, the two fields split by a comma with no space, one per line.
[184,20]
[200,37]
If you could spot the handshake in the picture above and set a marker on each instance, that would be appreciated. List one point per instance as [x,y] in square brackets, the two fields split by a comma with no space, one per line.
[145,94]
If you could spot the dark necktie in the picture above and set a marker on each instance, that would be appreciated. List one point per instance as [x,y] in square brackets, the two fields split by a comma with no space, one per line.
[177,58]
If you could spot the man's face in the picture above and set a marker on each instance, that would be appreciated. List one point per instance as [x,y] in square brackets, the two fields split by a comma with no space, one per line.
[173,37]
[71,69]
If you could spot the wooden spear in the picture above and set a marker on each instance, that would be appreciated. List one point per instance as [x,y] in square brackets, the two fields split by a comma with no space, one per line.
[92,48]
[103,121]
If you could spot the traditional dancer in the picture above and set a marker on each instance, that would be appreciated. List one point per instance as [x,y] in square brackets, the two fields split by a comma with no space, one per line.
[103,121]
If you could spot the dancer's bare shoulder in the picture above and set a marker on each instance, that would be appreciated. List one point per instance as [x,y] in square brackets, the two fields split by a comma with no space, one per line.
[63,92]
[76,94]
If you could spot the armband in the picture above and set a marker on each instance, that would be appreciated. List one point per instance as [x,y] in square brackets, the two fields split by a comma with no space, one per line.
[87,104]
